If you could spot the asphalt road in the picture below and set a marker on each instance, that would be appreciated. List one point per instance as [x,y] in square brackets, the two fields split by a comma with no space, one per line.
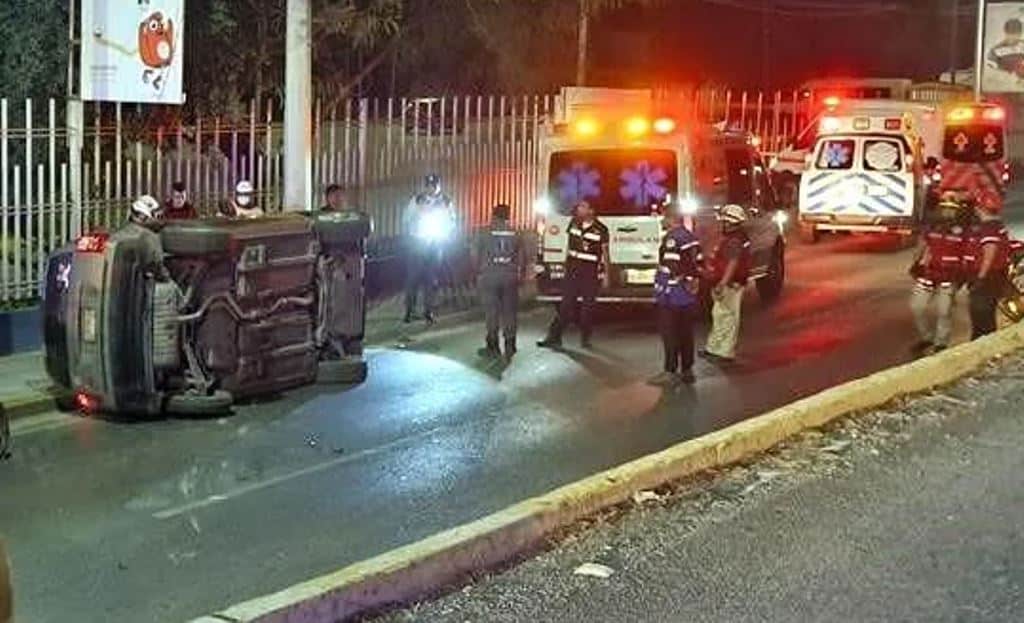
[164,520]
[911,514]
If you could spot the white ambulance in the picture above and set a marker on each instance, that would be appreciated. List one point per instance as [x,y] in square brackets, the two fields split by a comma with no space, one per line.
[614,149]
[864,174]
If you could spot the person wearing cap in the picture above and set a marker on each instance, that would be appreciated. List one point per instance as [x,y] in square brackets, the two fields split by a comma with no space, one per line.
[430,225]
[730,271]
[676,287]
[937,270]
[499,261]
[243,203]
[178,207]
[587,253]
[987,257]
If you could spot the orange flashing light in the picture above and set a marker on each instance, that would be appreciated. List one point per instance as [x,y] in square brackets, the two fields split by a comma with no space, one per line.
[665,125]
[586,127]
[637,126]
[831,101]
[963,113]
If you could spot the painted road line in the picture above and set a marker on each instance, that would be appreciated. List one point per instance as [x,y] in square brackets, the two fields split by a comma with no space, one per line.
[231,494]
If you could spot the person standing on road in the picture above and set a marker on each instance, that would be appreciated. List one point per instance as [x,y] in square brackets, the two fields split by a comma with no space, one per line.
[987,256]
[178,207]
[430,223]
[676,286]
[498,258]
[730,271]
[938,274]
[587,253]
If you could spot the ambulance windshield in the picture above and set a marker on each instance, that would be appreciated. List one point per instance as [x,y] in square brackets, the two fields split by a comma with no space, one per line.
[616,182]
[973,143]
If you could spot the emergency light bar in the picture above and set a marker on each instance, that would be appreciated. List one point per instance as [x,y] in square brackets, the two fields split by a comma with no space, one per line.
[832,101]
[93,243]
[633,127]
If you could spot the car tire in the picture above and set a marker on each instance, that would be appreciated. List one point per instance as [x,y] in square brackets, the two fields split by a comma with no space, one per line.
[808,233]
[349,371]
[770,286]
[189,403]
[5,437]
[194,239]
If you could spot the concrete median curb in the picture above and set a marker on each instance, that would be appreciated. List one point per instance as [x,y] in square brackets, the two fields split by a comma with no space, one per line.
[427,566]
[25,405]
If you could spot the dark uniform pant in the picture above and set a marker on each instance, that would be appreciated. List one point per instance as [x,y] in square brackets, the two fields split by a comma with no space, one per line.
[676,327]
[422,274]
[983,299]
[581,282]
[499,295]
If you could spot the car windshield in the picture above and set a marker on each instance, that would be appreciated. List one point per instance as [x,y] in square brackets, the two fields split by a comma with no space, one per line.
[973,143]
[616,182]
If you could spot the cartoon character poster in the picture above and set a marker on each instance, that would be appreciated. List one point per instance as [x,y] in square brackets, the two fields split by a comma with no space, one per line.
[132,50]
[1003,65]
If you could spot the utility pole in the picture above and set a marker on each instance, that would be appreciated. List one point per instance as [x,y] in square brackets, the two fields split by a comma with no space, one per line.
[582,37]
[74,122]
[298,109]
[954,36]
[979,50]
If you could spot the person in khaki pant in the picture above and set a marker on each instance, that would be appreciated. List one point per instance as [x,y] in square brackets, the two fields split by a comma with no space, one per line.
[731,266]
[6,592]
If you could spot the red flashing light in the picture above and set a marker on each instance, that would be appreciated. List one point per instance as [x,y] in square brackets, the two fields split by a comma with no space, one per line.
[664,125]
[994,113]
[755,141]
[86,403]
[893,124]
[831,101]
[92,243]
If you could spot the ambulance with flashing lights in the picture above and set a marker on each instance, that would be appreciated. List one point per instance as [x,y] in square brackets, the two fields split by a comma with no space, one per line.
[973,154]
[864,174]
[632,161]
[789,164]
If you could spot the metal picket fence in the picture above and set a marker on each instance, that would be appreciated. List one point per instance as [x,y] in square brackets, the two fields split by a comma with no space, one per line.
[484,147]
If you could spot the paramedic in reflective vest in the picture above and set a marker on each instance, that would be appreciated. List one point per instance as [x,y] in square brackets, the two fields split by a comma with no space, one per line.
[987,257]
[731,268]
[430,223]
[587,250]
[676,287]
[498,257]
[938,273]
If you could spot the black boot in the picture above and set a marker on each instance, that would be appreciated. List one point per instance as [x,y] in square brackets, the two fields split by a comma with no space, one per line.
[491,350]
[510,347]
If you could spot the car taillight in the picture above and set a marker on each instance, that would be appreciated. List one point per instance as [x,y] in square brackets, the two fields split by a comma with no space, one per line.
[86,403]
[92,243]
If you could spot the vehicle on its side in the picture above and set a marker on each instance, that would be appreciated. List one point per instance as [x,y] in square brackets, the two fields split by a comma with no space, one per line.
[229,309]
[608,147]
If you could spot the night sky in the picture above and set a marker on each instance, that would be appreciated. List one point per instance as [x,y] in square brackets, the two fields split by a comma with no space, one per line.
[718,41]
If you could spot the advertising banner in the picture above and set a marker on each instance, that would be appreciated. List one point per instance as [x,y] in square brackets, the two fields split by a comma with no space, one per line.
[1003,62]
[132,51]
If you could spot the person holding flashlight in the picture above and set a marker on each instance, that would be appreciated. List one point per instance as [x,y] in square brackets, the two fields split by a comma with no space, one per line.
[430,224]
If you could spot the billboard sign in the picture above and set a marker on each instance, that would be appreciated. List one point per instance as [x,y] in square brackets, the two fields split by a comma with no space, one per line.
[132,51]
[1003,63]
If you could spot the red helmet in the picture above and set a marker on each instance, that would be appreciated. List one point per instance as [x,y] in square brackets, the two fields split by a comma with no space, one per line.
[989,201]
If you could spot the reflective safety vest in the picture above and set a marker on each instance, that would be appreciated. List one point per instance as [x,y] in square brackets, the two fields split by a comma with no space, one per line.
[980,235]
[742,242]
[586,241]
[946,246]
[679,261]
[501,248]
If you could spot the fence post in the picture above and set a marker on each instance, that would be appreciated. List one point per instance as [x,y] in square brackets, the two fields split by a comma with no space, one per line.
[364,126]
[76,129]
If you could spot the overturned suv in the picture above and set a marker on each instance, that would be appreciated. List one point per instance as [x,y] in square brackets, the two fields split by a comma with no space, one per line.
[190,316]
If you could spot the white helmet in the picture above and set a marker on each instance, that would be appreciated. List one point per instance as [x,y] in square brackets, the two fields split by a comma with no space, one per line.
[145,208]
[733,213]
[243,193]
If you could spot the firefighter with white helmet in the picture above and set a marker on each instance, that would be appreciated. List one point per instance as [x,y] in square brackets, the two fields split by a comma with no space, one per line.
[730,271]
[144,209]
[243,203]
[144,212]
